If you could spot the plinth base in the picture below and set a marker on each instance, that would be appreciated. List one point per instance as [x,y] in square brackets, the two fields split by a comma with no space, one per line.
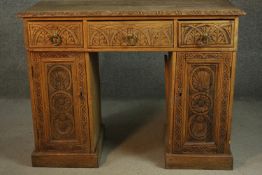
[199,161]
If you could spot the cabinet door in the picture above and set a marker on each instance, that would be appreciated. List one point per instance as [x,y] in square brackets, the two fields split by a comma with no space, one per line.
[201,105]
[59,101]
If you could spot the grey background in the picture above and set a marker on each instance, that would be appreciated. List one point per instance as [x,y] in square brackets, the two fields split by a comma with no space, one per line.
[128,75]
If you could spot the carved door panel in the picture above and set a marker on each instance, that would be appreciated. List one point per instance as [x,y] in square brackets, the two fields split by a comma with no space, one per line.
[59,88]
[202,92]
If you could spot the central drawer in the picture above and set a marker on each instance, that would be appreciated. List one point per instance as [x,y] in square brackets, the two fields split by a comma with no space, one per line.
[128,34]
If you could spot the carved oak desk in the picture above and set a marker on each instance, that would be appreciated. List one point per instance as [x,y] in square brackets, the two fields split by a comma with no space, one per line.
[62,39]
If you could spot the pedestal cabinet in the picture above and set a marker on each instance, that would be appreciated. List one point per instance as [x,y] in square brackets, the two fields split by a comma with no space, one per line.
[63,39]
[201,119]
[65,109]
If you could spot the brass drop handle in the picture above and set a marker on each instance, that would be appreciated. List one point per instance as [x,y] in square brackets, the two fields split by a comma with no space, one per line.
[56,39]
[131,40]
[203,40]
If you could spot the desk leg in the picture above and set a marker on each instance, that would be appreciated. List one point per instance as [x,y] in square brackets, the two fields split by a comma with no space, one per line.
[94,103]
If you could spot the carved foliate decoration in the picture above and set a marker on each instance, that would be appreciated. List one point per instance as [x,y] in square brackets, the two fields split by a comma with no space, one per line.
[58,78]
[198,126]
[55,34]
[57,128]
[206,34]
[130,34]
[200,103]
[61,101]
[202,79]
[201,98]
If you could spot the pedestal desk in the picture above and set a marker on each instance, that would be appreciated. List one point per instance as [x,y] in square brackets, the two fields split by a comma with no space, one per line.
[63,38]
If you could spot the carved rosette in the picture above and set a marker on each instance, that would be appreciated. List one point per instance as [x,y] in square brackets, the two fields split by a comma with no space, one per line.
[60,95]
[201,97]
[61,101]
[202,84]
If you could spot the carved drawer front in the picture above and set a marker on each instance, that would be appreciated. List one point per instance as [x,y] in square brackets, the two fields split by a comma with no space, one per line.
[60,105]
[202,92]
[130,34]
[206,34]
[55,34]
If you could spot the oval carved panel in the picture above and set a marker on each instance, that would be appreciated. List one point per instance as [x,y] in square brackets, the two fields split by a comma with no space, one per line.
[200,103]
[202,79]
[60,78]
[61,101]
[198,127]
[64,124]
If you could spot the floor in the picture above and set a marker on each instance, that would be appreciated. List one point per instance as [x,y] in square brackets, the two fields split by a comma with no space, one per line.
[134,143]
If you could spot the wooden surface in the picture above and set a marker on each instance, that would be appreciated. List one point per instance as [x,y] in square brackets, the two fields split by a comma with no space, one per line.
[69,159]
[66,109]
[206,34]
[62,39]
[198,161]
[151,34]
[202,95]
[98,8]
[70,33]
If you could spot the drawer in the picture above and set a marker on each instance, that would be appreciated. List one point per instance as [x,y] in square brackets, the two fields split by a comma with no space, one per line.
[55,34]
[116,34]
[206,34]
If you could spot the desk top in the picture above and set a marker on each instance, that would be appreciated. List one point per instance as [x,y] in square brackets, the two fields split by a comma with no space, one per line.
[105,8]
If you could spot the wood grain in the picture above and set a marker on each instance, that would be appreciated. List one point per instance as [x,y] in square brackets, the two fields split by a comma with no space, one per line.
[126,34]
[204,34]
[197,161]
[55,34]
[62,39]
[102,8]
